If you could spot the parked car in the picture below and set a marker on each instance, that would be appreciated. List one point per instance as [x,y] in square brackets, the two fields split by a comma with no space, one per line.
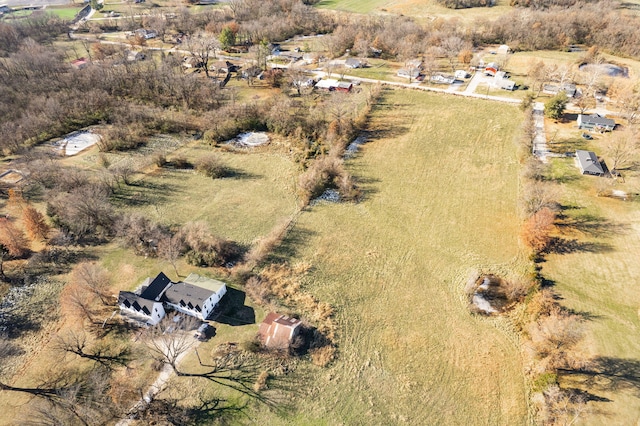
[587,136]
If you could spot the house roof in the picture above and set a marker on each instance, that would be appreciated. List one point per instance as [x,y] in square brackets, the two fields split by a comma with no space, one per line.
[493,65]
[569,88]
[156,288]
[204,282]
[409,72]
[589,162]
[193,291]
[277,330]
[596,120]
[353,62]
[136,302]
[326,83]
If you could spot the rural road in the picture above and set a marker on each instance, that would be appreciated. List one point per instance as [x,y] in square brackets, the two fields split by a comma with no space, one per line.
[540,148]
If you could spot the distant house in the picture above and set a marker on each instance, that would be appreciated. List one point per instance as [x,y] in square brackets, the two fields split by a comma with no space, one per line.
[491,69]
[442,79]
[587,162]
[146,34]
[277,331]
[414,64]
[196,295]
[310,58]
[354,63]
[503,49]
[253,71]
[553,89]
[80,63]
[133,56]
[594,121]
[331,85]
[501,81]
[411,73]
[461,74]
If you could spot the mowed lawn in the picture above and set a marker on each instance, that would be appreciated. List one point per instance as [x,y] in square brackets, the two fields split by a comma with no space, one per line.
[600,281]
[259,193]
[440,177]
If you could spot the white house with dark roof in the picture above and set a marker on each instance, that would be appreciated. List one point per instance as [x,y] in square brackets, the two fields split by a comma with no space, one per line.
[594,121]
[196,295]
[140,309]
[588,163]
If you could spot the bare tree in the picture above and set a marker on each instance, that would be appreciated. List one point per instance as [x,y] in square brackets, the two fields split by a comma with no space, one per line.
[622,150]
[106,353]
[170,248]
[93,278]
[203,47]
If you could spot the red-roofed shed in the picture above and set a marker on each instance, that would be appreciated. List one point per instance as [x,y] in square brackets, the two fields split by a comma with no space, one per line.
[277,331]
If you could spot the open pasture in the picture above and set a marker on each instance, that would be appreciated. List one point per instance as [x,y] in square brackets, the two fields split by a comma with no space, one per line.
[440,189]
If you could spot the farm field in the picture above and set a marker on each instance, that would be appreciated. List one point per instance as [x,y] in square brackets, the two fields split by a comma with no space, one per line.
[440,201]
[415,8]
[598,279]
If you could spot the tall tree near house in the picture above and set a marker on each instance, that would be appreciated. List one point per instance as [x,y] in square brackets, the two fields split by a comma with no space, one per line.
[627,97]
[93,278]
[202,47]
[451,47]
[539,74]
[35,224]
[622,151]
[554,107]
[170,248]
[227,37]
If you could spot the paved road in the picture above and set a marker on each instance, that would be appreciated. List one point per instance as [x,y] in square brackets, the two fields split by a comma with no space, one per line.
[540,149]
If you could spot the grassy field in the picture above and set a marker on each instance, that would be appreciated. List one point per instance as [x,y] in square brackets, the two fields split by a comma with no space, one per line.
[598,279]
[419,9]
[67,13]
[440,200]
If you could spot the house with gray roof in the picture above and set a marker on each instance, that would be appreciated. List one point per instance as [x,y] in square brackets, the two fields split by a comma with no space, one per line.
[594,121]
[354,63]
[588,163]
[196,295]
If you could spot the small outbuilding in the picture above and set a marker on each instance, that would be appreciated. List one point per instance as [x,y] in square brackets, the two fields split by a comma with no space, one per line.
[277,331]
[588,163]
[354,63]
[503,49]
[595,121]
[411,73]
[491,69]
[461,74]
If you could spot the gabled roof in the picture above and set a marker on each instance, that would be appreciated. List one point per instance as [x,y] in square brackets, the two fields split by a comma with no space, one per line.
[193,291]
[353,62]
[589,162]
[135,302]
[157,287]
[278,330]
[597,120]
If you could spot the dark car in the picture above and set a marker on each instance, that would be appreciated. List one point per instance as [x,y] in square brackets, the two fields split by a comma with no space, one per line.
[587,136]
